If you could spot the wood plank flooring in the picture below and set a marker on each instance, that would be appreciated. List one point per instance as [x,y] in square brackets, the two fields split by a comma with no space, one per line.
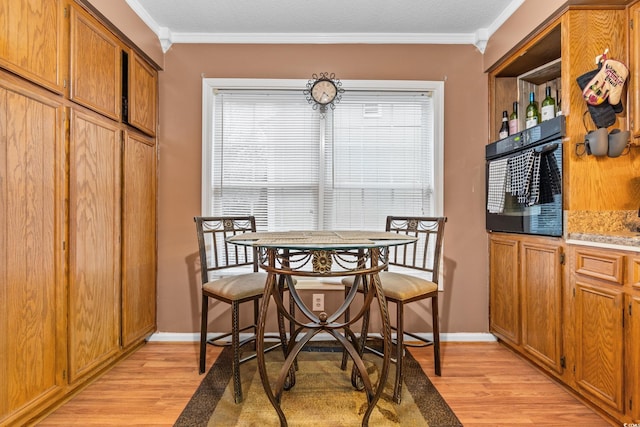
[484,383]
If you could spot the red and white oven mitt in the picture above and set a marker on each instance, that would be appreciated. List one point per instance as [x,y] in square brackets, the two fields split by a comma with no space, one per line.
[608,83]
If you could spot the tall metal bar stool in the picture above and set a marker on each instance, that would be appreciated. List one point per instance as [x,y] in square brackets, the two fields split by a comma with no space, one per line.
[230,275]
[415,276]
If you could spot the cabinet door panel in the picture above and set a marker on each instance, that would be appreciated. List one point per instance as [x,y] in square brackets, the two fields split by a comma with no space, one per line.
[143,98]
[634,71]
[541,293]
[138,239]
[32,39]
[599,343]
[633,360]
[31,258]
[94,267]
[504,299]
[95,65]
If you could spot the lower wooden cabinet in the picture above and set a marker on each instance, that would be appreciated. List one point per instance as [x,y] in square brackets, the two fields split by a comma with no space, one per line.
[526,296]
[599,355]
[32,165]
[606,333]
[578,320]
[94,242]
[77,247]
[632,348]
[504,302]
[138,238]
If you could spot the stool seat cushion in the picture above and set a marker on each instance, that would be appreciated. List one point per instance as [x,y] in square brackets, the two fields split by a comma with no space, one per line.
[399,286]
[237,287]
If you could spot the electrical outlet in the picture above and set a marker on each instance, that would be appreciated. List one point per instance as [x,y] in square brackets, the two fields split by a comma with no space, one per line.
[318,302]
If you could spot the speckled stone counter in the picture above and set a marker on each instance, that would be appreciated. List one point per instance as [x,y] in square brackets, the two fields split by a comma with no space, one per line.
[625,240]
[606,229]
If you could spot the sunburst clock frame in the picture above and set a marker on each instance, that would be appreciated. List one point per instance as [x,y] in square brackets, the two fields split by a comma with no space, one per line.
[323,90]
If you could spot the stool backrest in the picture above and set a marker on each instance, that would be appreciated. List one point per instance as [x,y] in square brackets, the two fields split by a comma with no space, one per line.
[423,254]
[216,253]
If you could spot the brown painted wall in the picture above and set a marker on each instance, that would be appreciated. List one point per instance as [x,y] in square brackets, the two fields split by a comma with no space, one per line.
[465,301]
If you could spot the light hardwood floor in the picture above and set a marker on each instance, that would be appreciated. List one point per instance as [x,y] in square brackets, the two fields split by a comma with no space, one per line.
[484,383]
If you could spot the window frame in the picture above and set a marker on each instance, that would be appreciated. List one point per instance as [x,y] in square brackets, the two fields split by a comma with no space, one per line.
[210,86]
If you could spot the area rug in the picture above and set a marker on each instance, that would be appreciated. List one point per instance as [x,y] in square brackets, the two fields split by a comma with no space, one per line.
[322,396]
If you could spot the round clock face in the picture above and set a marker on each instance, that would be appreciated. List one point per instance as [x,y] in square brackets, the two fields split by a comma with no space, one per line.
[324,91]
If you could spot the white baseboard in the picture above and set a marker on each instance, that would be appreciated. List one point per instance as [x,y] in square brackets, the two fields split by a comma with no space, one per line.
[444,337]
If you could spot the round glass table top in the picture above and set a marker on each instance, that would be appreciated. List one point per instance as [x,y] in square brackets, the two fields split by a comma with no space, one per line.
[321,240]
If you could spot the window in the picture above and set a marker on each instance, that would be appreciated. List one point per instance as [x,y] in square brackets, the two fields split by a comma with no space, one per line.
[267,153]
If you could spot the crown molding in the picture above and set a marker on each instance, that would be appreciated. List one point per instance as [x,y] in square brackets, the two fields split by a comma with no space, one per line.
[479,39]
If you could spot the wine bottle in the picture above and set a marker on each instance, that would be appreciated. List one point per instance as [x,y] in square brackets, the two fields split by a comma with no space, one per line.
[532,117]
[548,106]
[559,105]
[513,120]
[504,129]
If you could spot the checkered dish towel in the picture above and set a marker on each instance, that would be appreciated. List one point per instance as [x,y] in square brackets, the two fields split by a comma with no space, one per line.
[525,177]
[498,171]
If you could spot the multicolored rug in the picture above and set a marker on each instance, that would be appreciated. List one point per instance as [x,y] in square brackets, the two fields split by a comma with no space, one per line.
[322,396]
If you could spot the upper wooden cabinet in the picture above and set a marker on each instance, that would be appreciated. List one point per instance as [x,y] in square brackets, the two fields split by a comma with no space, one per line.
[33,39]
[141,83]
[556,56]
[95,65]
[634,71]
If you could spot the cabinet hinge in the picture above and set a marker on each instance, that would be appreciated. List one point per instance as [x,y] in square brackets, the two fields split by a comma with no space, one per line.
[64,245]
[66,12]
[631,23]
[64,374]
[563,362]
[630,309]
[574,369]
[64,83]
[630,404]
[574,292]
[562,257]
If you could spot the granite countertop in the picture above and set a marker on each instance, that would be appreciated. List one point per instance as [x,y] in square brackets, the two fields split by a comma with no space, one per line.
[625,240]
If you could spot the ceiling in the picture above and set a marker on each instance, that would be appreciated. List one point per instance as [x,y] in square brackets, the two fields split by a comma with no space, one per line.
[326,21]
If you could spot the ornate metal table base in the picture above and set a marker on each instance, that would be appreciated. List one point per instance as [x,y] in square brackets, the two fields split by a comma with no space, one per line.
[286,264]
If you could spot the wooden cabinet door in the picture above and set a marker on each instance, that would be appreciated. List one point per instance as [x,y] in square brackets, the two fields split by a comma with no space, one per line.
[504,297]
[541,294]
[142,95]
[138,238]
[599,342]
[96,74]
[94,250]
[634,71]
[633,342]
[633,356]
[32,41]
[32,164]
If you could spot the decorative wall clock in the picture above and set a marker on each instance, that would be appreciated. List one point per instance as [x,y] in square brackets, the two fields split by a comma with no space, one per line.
[323,90]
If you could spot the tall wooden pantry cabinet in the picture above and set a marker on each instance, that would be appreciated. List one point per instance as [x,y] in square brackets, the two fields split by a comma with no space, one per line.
[78,114]
[572,308]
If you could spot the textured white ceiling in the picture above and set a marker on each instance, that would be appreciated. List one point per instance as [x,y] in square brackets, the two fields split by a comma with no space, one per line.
[326,21]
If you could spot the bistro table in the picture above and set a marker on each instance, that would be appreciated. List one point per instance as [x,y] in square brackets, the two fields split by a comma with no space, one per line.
[322,254]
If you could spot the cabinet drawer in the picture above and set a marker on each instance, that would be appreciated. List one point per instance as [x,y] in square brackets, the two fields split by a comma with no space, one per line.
[599,265]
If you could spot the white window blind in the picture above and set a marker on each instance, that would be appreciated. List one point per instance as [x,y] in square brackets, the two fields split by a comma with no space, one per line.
[267,153]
